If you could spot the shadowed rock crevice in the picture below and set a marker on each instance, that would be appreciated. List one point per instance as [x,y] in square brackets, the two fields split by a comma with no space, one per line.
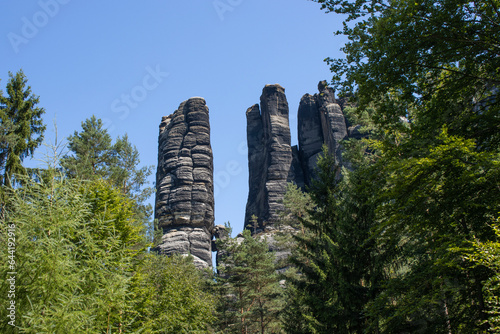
[184,182]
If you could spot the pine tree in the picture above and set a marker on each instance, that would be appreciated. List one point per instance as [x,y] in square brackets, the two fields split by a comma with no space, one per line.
[21,126]
[251,293]
[336,258]
[93,155]
[91,151]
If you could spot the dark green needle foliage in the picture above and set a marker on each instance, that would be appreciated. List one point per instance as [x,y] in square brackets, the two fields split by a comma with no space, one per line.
[249,290]
[337,259]
[21,126]
[91,151]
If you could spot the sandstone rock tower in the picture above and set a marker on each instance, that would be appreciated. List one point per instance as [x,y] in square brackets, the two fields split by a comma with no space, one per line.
[184,183]
[269,155]
[272,161]
[320,121]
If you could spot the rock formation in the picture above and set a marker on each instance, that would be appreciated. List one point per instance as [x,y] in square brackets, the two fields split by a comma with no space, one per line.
[184,183]
[320,121]
[272,161]
[269,156]
[184,198]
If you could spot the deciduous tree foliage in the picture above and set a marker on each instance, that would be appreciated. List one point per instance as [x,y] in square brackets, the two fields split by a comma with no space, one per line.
[488,254]
[426,73]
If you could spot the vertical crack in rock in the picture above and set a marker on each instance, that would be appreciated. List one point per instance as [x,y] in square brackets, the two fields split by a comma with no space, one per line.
[184,183]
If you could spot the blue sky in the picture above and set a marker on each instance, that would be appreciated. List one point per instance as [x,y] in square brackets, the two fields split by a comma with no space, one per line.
[84,58]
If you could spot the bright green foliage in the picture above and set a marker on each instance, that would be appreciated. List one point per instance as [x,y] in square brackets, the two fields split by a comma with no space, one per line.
[249,286]
[297,205]
[80,266]
[111,207]
[71,268]
[21,126]
[487,254]
[170,297]
[93,155]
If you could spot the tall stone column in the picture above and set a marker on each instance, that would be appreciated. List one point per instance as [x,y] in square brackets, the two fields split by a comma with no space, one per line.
[184,183]
[269,156]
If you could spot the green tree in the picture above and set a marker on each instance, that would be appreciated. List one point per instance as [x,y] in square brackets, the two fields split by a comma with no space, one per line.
[171,297]
[487,254]
[72,268]
[124,174]
[440,56]
[433,205]
[91,151]
[251,294]
[425,72]
[337,257]
[93,155]
[21,126]
[116,210]
[133,181]
[297,206]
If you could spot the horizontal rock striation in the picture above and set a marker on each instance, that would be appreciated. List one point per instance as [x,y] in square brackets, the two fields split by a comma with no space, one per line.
[184,182]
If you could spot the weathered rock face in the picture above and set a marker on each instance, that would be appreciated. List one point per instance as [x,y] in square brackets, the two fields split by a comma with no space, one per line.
[269,155]
[320,121]
[272,162]
[184,182]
